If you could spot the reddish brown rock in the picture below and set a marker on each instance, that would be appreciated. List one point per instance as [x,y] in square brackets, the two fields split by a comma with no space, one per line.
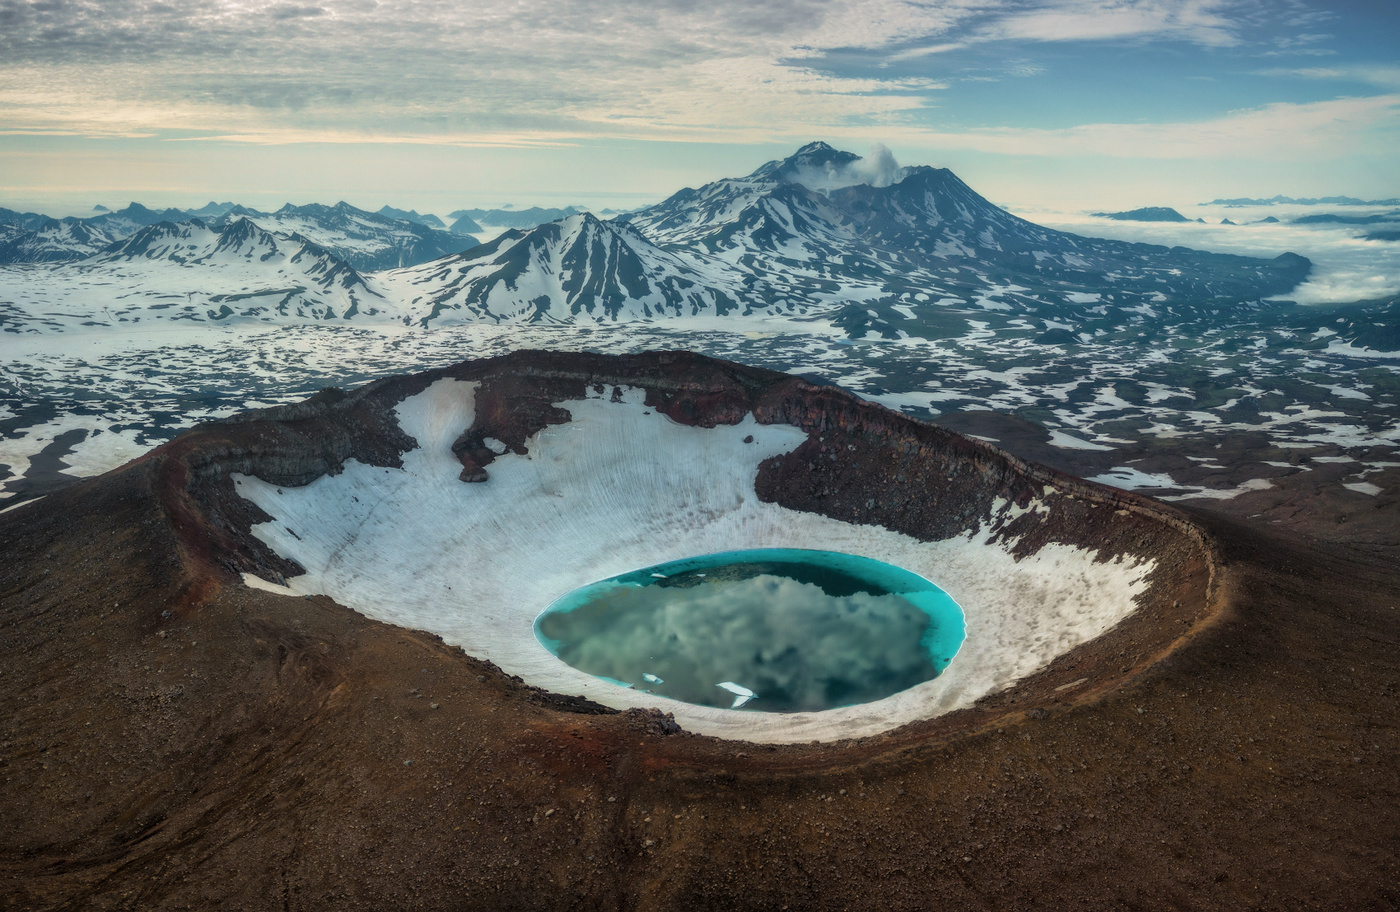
[173,739]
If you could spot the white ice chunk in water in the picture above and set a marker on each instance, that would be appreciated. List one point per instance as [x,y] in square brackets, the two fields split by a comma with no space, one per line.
[741,693]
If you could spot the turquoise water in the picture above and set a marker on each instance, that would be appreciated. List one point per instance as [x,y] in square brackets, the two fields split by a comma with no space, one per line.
[772,630]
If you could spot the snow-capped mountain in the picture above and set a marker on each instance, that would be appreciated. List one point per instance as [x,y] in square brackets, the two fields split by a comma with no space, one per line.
[922,227]
[866,245]
[366,240]
[388,239]
[873,247]
[781,202]
[478,221]
[245,249]
[412,215]
[196,243]
[128,221]
[195,272]
[578,268]
[51,241]
[28,221]
[933,221]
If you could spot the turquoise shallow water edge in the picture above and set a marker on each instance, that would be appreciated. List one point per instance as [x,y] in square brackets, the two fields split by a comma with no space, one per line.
[775,630]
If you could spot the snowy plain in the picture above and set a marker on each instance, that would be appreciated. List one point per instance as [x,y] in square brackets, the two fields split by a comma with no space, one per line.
[100,364]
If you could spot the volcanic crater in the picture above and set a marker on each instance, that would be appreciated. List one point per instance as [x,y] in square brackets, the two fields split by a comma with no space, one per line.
[287,659]
[464,501]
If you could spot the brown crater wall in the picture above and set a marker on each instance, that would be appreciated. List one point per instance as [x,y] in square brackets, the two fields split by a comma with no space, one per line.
[861,463]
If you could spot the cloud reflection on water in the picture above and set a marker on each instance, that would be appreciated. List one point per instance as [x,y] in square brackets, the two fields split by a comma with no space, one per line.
[798,648]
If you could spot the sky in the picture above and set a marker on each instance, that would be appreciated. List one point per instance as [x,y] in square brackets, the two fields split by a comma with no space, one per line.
[445,104]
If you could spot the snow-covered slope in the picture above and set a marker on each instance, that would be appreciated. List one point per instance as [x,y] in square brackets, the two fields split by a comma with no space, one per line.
[427,220]
[690,215]
[863,233]
[933,214]
[479,221]
[128,221]
[576,269]
[366,240]
[51,241]
[749,221]
[931,220]
[822,234]
[191,271]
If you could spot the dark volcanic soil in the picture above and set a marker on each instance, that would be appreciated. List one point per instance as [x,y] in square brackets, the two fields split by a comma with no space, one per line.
[171,739]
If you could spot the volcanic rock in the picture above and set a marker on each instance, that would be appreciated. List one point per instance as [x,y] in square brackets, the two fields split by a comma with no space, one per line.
[272,750]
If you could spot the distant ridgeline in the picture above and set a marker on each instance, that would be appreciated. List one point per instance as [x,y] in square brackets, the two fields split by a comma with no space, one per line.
[1385,225]
[818,234]
[367,241]
[1147,214]
[476,221]
[1303,201]
[874,258]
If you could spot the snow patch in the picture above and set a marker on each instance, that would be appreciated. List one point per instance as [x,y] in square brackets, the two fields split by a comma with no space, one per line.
[1068,442]
[257,582]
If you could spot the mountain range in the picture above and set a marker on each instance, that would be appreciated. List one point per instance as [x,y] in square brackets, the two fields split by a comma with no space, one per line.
[880,258]
[368,241]
[1302,201]
[479,221]
[815,235]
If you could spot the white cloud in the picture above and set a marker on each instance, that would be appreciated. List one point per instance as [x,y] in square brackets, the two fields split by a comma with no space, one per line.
[432,68]
[1302,72]
[371,75]
[1316,130]
[1200,21]
[1384,77]
[521,71]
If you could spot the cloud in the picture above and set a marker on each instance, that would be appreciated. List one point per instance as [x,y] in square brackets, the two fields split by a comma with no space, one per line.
[798,648]
[878,169]
[434,68]
[1384,77]
[1204,22]
[1283,131]
[288,11]
[529,70]
[1302,72]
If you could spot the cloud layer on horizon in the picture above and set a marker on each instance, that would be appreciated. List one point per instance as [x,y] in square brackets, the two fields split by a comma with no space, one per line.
[539,71]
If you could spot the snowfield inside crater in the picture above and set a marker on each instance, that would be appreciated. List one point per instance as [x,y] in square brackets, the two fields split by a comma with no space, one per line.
[622,487]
